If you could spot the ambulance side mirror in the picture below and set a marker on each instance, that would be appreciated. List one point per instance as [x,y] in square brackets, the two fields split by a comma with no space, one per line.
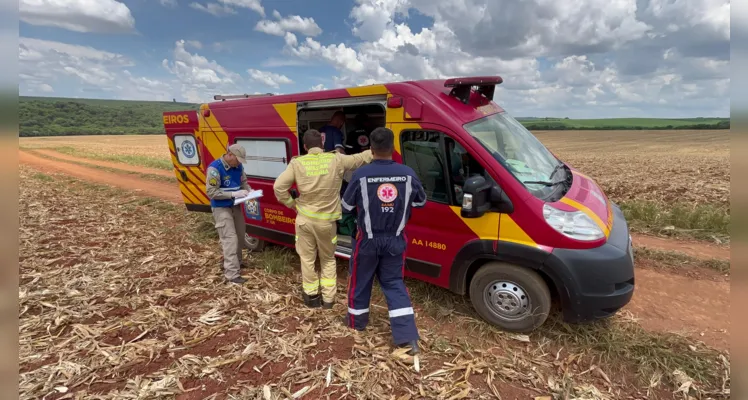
[500,201]
[476,197]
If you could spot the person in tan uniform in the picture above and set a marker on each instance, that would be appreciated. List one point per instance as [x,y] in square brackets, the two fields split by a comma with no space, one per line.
[226,181]
[318,176]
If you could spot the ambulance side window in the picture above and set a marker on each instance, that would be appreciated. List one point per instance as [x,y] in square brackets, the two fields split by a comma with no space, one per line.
[422,151]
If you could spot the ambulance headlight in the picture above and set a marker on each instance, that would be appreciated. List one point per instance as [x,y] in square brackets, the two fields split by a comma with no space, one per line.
[574,224]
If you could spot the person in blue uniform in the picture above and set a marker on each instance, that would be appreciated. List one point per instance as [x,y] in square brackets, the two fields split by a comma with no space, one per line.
[226,181]
[332,136]
[382,194]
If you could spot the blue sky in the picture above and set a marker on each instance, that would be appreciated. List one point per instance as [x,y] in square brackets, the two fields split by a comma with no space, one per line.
[583,59]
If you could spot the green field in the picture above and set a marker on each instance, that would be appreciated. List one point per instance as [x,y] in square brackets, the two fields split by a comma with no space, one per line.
[54,116]
[624,123]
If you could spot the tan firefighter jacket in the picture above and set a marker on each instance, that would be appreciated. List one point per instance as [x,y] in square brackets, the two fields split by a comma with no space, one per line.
[318,177]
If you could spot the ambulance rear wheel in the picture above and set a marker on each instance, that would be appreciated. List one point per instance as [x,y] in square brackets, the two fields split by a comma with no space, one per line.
[253,244]
[513,298]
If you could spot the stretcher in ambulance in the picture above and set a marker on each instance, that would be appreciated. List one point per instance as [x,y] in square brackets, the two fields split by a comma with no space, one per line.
[507,223]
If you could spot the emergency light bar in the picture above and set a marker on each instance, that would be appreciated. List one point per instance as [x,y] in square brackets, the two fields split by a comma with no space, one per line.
[239,96]
[461,86]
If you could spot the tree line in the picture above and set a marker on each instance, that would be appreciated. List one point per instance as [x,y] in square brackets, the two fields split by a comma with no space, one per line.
[66,118]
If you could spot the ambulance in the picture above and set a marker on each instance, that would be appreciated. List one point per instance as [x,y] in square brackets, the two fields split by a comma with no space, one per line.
[507,223]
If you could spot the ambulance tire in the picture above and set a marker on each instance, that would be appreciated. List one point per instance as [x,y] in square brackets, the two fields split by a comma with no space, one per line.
[253,244]
[508,290]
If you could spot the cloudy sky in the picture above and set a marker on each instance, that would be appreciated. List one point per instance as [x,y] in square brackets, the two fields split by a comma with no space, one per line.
[575,58]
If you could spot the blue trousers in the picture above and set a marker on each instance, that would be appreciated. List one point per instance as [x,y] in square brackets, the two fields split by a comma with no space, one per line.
[384,258]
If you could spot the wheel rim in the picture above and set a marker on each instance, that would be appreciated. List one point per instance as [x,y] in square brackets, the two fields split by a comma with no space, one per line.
[252,242]
[507,300]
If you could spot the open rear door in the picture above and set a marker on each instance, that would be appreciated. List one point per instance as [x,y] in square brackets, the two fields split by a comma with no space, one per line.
[182,131]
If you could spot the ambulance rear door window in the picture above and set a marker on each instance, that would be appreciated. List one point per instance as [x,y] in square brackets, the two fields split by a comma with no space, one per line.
[423,151]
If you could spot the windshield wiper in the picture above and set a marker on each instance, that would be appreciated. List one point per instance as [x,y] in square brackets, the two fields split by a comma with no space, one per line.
[558,167]
[546,183]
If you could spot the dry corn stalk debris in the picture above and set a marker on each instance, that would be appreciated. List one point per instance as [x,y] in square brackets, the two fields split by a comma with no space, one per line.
[119,300]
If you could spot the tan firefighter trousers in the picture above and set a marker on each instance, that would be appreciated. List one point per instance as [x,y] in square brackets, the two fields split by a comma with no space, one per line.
[313,235]
[231,228]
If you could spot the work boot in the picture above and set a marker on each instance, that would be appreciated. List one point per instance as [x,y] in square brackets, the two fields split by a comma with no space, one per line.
[327,306]
[312,301]
[413,344]
[238,280]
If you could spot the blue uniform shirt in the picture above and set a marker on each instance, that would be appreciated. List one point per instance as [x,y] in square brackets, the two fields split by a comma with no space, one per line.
[383,193]
[230,181]
[333,137]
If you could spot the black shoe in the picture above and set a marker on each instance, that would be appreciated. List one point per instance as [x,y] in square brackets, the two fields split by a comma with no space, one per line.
[238,280]
[327,306]
[312,301]
[413,344]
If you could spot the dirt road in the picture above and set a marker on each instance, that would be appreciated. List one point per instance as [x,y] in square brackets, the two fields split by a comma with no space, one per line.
[662,301]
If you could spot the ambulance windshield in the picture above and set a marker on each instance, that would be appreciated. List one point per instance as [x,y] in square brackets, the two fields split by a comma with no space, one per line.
[519,151]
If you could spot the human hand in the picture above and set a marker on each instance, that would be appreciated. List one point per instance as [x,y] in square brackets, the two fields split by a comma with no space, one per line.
[239,194]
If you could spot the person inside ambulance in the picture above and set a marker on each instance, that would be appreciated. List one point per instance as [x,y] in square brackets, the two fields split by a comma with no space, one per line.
[332,136]
[381,195]
[226,181]
[358,140]
[462,167]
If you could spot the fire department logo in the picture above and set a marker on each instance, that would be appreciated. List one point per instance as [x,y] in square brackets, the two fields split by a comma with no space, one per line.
[226,181]
[188,149]
[387,192]
[252,209]
[363,140]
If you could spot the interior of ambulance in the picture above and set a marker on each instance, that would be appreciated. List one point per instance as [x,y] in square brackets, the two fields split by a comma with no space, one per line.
[439,161]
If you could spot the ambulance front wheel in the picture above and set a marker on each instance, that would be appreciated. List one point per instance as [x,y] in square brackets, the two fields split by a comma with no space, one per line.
[513,298]
[253,244]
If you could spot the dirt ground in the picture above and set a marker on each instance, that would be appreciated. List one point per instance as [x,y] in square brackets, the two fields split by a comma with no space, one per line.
[708,302]
[119,300]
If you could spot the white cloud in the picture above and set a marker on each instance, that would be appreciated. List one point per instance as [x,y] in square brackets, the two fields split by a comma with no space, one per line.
[168,3]
[43,63]
[317,88]
[228,7]
[269,78]
[284,62]
[595,48]
[100,16]
[292,23]
[194,43]
[214,9]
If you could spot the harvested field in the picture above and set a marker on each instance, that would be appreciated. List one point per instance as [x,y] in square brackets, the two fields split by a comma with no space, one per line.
[689,167]
[120,298]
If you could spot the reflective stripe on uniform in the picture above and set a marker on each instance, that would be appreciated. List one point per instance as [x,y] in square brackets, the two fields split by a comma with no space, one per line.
[233,188]
[335,239]
[308,287]
[367,217]
[328,282]
[421,204]
[401,312]
[408,191]
[346,205]
[322,216]
[354,311]
[289,201]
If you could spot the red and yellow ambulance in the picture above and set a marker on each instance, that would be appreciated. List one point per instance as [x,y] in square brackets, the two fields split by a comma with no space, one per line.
[506,222]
